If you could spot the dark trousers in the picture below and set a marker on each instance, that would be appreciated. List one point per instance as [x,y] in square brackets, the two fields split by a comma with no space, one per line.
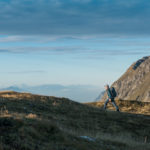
[113,102]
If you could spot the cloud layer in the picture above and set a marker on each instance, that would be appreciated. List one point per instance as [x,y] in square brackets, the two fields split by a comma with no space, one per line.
[76,46]
[74,17]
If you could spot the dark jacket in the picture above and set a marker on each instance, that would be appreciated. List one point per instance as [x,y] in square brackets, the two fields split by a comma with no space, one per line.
[109,94]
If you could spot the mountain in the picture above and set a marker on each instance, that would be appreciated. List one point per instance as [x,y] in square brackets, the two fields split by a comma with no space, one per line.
[134,84]
[99,96]
[37,122]
[82,93]
[13,88]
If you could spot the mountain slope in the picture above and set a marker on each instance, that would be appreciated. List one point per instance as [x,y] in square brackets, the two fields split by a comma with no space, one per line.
[134,84]
[99,96]
[30,122]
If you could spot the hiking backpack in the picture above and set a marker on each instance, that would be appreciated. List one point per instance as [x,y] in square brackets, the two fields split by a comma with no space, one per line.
[113,92]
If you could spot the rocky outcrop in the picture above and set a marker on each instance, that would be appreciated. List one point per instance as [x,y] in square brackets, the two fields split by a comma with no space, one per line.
[134,84]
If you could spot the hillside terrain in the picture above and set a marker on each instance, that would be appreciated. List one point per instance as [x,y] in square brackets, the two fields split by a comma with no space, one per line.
[35,122]
[134,107]
[134,84]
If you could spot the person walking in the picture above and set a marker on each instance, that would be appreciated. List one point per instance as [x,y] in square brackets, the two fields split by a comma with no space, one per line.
[111,93]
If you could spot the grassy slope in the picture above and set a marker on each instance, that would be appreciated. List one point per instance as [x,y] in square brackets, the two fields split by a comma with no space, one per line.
[32,122]
[135,107]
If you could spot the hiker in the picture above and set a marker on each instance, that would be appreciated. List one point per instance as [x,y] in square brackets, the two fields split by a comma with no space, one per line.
[111,93]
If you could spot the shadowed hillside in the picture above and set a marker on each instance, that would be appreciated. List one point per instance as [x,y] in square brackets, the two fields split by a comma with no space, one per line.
[34,122]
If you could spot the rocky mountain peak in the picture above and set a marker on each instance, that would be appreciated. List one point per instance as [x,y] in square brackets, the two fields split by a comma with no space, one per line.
[134,84]
[139,62]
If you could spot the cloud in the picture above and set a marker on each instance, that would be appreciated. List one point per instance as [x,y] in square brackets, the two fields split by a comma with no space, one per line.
[42,39]
[74,17]
[46,49]
[82,47]
[26,72]
[78,52]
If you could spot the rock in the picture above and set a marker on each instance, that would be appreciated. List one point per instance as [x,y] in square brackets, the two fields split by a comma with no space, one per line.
[88,138]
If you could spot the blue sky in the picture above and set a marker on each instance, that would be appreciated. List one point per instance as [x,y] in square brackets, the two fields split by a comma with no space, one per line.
[85,42]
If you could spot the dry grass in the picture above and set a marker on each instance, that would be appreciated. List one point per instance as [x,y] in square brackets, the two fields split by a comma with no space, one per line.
[135,107]
[31,116]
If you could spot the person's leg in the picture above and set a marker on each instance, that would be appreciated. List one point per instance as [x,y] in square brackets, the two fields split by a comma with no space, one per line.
[113,102]
[105,105]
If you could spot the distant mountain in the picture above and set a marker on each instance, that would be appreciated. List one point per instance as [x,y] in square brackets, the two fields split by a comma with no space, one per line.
[100,96]
[134,84]
[82,93]
[13,88]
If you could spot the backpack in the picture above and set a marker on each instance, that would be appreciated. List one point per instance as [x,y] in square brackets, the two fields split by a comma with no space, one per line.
[113,92]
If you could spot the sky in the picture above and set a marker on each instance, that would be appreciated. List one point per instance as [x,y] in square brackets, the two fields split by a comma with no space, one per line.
[71,42]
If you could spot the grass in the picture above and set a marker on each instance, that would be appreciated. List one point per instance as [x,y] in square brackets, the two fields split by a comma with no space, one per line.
[32,122]
[135,107]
